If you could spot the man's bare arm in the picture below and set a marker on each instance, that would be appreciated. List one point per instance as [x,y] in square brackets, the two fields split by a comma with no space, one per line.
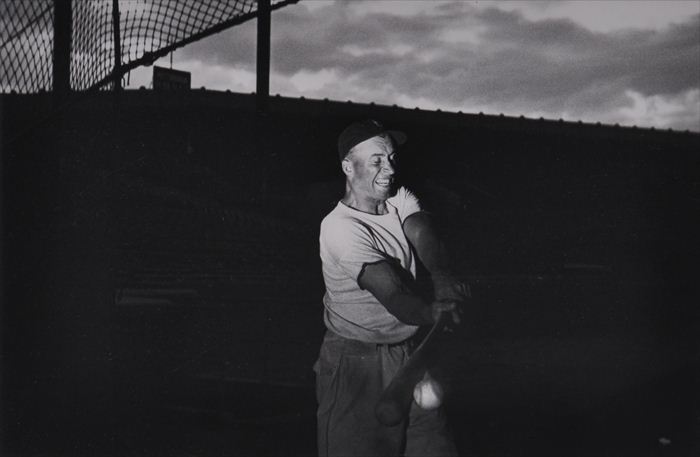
[431,250]
[388,282]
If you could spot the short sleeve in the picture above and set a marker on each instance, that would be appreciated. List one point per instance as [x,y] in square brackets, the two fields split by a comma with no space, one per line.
[405,202]
[348,245]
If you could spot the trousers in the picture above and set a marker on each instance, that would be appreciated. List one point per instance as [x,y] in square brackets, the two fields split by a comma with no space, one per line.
[350,377]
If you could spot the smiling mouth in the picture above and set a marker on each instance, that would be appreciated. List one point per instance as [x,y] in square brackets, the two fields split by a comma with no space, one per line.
[384,182]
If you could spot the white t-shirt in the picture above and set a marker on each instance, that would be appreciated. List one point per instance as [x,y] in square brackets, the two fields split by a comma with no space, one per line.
[349,240]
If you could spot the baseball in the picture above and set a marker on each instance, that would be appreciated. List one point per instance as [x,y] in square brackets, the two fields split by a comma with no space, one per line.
[428,393]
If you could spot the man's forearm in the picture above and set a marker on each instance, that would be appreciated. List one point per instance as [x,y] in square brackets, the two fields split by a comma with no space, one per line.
[392,286]
[408,308]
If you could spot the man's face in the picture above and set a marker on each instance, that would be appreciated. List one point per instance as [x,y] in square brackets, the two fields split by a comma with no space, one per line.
[373,165]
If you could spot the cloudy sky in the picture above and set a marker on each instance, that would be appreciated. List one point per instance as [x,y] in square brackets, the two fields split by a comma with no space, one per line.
[627,62]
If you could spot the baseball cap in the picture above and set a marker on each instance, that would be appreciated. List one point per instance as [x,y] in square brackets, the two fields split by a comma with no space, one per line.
[358,132]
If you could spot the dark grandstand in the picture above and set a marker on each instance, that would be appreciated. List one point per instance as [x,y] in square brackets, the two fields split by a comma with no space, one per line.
[133,225]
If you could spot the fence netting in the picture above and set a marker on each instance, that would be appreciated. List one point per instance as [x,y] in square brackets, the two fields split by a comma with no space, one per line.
[146,28]
[26,45]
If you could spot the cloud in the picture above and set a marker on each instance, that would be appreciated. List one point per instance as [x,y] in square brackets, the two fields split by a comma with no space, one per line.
[459,55]
[605,16]
[680,111]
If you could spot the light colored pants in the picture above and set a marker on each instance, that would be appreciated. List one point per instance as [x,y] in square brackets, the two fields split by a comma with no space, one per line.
[350,378]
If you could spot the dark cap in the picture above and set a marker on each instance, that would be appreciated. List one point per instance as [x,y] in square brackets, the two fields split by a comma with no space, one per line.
[358,132]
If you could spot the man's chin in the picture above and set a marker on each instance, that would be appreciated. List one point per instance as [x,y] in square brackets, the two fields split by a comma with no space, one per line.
[386,192]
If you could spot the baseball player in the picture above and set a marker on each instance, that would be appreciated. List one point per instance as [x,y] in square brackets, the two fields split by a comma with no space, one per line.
[368,248]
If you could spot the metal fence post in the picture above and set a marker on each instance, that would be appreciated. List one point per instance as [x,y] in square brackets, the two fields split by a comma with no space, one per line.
[263,56]
[63,19]
[117,71]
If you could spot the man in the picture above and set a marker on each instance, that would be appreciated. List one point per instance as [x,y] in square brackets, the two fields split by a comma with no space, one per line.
[367,247]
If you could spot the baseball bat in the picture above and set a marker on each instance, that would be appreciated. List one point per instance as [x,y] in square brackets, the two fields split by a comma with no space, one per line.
[396,399]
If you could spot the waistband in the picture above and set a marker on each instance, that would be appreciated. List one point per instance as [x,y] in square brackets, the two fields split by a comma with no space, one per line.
[357,347]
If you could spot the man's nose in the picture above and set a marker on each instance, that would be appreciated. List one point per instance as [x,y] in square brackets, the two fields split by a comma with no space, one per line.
[389,167]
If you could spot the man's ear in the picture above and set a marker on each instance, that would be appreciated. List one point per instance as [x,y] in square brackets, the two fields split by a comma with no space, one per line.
[346,165]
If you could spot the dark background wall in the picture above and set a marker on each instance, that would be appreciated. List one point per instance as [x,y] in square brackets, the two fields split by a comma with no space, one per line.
[162,289]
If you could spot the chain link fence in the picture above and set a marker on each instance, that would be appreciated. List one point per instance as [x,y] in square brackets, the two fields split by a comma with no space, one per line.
[147,30]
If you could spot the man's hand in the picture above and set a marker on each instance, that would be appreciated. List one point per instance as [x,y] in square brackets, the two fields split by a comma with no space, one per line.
[446,306]
[446,287]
